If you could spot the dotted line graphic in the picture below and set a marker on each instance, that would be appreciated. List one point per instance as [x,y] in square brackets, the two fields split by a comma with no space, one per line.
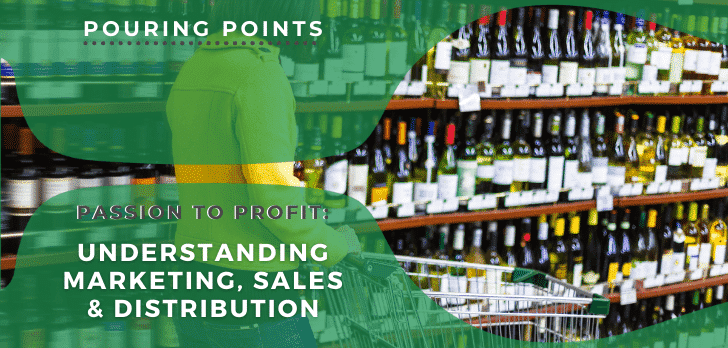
[199,43]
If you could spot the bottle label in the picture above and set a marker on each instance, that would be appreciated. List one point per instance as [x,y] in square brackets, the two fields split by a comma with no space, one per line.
[479,70]
[587,76]
[333,69]
[723,75]
[52,187]
[649,73]
[637,53]
[447,186]
[556,173]
[376,53]
[380,193]
[358,182]
[353,58]
[571,174]
[466,178]
[550,73]
[459,72]
[693,254]
[476,285]
[660,58]
[499,72]
[619,74]
[678,156]
[715,61]
[503,172]
[306,72]
[402,192]
[600,170]
[335,177]
[719,254]
[577,274]
[485,171]
[649,269]
[521,169]
[709,169]
[568,72]
[604,76]
[537,174]
[425,192]
[398,58]
[560,271]
[626,270]
[616,175]
[678,262]
[676,67]
[23,194]
[704,255]
[660,173]
[168,191]
[697,156]
[667,263]
[703,63]
[690,62]
[443,55]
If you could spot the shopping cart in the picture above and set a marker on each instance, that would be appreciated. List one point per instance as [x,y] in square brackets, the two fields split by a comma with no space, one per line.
[460,305]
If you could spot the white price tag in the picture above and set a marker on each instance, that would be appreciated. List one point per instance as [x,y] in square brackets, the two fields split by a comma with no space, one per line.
[557,90]
[695,184]
[485,91]
[605,201]
[539,197]
[587,193]
[552,196]
[615,89]
[654,282]
[715,271]
[406,210]
[476,202]
[625,190]
[647,87]
[587,89]
[379,211]
[543,90]
[508,91]
[696,274]
[637,189]
[454,90]
[469,100]
[512,199]
[490,201]
[676,186]
[526,197]
[435,207]
[573,90]
[685,87]
[574,195]
[697,86]
[724,271]
[523,91]
[665,187]
[653,188]
[417,88]
[675,277]
[598,289]
[450,205]
[628,294]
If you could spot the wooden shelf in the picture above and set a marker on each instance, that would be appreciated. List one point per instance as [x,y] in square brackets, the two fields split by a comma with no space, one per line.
[589,102]
[670,198]
[643,293]
[394,104]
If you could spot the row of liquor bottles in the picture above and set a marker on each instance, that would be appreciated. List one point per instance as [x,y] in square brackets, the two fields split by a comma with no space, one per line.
[582,249]
[32,174]
[647,312]
[367,46]
[576,46]
[422,156]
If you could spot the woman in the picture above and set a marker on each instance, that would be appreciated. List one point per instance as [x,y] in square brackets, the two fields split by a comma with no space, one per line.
[231,112]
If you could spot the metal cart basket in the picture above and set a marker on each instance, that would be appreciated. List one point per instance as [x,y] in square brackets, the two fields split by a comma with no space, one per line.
[460,305]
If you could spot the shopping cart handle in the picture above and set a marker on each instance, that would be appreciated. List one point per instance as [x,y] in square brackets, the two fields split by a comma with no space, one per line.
[372,268]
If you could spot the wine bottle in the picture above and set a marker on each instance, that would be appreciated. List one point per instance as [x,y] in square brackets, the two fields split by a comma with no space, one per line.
[357,177]
[718,230]
[677,58]
[660,142]
[509,243]
[397,51]
[678,240]
[576,253]
[571,156]
[467,163]
[440,254]
[690,42]
[23,184]
[459,71]
[703,61]
[536,52]
[447,176]
[688,142]
[632,159]
[335,174]
[604,57]
[519,53]
[458,275]
[625,252]
[666,242]
[485,154]
[569,65]
[587,60]
[600,162]
[477,256]
[593,249]
[677,153]
[721,139]
[503,163]
[353,45]
[537,174]
[521,155]
[480,49]
[558,254]
[425,174]
[526,256]
[377,176]
[500,65]
[706,247]
[58,176]
[584,151]
[619,71]
[543,260]
[555,155]
[711,142]
[617,154]
[550,69]
[636,50]
[402,187]
[699,152]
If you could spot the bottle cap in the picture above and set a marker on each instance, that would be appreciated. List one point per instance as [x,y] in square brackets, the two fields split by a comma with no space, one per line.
[559,228]
[652,218]
[588,19]
[593,217]
[574,226]
[553,19]
[502,17]
[450,134]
